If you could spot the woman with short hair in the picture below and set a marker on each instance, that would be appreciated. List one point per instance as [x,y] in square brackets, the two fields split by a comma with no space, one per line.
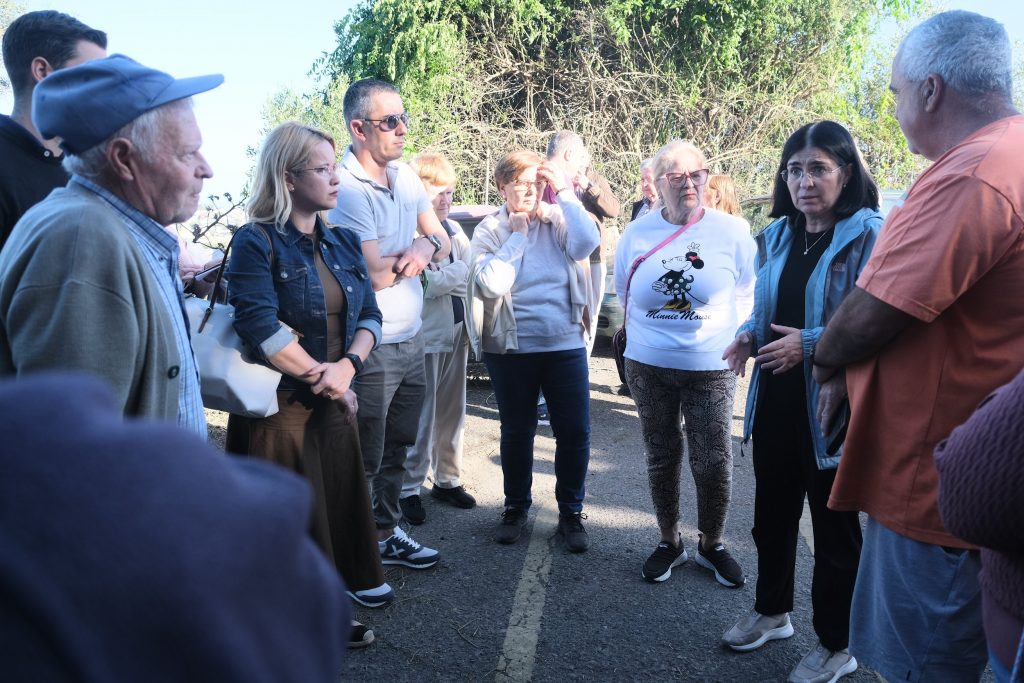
[531,271]
[686,277]
[437,452]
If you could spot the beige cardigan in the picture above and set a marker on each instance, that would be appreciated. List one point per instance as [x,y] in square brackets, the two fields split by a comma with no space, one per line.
[491,314]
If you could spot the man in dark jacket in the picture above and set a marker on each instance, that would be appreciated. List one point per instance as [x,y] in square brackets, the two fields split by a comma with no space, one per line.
[35,45]
[567,153]
[133,551]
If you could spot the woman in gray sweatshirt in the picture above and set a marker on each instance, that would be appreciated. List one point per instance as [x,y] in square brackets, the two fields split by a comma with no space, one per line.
[530,277]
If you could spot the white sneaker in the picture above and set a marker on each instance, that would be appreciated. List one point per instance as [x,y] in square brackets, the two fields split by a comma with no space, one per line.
[822,665]
[373,597]
[756,629]
[400,549]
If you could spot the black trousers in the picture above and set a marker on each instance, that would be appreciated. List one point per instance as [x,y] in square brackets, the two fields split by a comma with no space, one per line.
[785,470]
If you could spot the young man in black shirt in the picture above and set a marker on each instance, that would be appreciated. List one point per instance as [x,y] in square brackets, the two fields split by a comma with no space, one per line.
[34,46]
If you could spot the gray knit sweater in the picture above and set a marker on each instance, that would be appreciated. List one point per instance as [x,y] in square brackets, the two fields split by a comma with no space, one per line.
[76,294]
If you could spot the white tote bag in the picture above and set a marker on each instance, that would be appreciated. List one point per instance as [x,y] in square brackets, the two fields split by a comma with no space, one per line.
[228,381]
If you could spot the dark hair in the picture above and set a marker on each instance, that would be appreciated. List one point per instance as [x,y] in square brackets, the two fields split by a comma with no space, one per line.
[833,139]
[48,34]
[358,102]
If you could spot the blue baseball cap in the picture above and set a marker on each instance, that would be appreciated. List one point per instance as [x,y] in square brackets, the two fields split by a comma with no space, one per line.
[86,104]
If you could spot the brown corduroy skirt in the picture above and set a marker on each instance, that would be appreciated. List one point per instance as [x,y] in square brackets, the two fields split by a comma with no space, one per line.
[311,435]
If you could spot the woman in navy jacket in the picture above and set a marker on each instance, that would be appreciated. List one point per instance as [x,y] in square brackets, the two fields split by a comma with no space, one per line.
[304,303]
[827,206]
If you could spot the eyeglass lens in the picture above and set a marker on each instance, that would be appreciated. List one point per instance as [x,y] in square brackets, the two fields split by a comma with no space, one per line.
[390,122]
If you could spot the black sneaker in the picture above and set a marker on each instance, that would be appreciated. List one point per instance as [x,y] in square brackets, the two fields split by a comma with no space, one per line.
[658,566]
[511,527]
[412,510]
[727,570]
[542,415]
[359,636]
[456,496]
[571,529]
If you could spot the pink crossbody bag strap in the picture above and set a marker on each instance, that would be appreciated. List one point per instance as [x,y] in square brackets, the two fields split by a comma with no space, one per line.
[641,259]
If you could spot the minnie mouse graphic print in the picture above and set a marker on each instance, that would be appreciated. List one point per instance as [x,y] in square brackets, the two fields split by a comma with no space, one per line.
[687,299]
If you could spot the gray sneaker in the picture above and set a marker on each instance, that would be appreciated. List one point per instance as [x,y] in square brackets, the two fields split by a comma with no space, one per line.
[755,629]
[822,665]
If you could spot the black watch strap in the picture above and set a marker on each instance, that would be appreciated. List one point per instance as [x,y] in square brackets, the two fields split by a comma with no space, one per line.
[436,241]
[356,361]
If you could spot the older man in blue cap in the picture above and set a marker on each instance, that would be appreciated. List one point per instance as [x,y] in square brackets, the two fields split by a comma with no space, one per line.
[89,277]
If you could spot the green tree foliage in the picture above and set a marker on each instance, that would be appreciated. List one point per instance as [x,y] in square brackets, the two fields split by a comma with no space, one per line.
[735,76]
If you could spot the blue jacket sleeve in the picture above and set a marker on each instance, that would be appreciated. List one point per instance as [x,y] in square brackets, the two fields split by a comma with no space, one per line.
[251,291]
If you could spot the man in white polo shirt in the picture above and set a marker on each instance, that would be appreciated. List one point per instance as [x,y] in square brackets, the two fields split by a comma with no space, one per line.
[384,202]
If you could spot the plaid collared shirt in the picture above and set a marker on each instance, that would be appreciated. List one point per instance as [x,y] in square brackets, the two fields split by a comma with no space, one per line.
[160,251]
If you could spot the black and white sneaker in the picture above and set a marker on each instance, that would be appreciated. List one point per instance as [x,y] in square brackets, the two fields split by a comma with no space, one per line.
[400,549]
[359,636]
[373,597]
[658,566]
[717,559]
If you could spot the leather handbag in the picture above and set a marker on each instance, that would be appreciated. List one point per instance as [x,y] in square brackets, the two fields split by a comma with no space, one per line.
[229,379]
[619,338]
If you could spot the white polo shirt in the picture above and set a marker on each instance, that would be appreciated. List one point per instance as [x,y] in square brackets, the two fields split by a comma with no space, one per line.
[388,215]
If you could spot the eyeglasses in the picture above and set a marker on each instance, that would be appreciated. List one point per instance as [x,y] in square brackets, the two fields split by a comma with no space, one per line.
[390,122]
[524,185]
[679,179]
[323,171]
[795,175]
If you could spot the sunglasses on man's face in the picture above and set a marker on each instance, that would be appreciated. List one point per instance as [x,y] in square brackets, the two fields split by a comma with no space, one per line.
[390,122]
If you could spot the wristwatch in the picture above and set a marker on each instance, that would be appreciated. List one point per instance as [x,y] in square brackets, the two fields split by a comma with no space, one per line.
[433,239]
[356,361]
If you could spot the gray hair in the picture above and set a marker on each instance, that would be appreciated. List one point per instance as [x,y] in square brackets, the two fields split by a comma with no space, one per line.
[970,52]
[563,140]
[144,133]
[647,163]
[358,101]
[672,149]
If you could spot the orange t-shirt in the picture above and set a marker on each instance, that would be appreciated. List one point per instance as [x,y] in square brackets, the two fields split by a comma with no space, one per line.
[953,258]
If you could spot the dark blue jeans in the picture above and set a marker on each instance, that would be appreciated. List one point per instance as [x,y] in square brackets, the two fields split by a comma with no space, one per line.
[565,380]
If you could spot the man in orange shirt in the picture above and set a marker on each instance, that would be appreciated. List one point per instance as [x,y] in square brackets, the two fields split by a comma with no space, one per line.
[935,324]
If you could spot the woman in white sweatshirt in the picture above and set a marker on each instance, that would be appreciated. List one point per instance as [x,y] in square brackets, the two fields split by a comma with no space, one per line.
[683,304]
[532,275]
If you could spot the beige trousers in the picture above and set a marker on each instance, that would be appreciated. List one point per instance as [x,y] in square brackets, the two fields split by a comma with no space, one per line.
[438,448]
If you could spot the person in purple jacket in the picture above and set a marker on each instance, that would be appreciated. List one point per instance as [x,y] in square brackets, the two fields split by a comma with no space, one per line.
[981,479]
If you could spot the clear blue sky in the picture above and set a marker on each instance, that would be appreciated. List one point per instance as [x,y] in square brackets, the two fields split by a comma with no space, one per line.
[261,47]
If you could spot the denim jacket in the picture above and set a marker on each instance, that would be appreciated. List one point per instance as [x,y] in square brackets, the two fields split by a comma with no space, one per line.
[267,291]
[833,278]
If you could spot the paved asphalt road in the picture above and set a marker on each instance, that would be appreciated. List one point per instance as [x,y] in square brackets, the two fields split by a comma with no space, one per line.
[534,612]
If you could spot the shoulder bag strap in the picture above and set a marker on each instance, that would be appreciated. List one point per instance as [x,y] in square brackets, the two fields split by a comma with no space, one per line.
[223,267]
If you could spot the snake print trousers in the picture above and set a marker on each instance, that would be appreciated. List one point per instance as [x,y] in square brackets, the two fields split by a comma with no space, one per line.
[704,398]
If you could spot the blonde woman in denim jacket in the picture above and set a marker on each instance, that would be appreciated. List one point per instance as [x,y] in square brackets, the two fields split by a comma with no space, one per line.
[304,302]
[827,206]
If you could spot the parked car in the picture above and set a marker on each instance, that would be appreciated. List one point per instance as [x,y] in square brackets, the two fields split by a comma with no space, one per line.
[609,318]
[470,215]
